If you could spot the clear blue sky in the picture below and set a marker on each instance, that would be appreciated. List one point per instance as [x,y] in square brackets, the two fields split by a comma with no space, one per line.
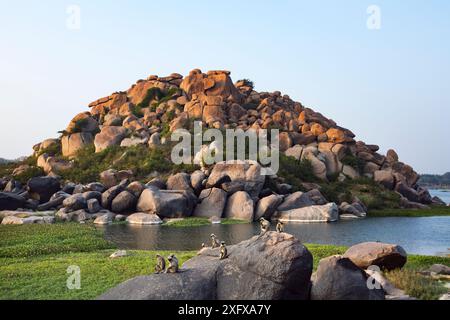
[390,86]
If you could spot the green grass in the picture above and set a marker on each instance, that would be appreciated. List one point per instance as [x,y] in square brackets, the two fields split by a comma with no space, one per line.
[433,212]
[44,277]
[35,240]
[199,222]
[34,260]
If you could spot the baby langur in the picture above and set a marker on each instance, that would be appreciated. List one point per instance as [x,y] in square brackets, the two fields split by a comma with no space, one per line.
[160,264]
[280,227]
[265,225]
[223,251]
[173,264]
[214,241]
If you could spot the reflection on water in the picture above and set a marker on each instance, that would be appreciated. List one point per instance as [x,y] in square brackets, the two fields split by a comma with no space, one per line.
[427,236]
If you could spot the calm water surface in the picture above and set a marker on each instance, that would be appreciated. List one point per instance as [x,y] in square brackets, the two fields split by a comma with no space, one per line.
[426,236]
[443,194]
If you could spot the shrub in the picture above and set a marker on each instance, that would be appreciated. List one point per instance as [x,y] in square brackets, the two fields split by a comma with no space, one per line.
[295,172]
[353,161]
[54,149]
[416,285]
[29,173]
[368,191]
[88,165]
[247,83]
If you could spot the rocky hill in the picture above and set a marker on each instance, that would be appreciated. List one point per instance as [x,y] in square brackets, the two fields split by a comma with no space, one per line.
[125,136]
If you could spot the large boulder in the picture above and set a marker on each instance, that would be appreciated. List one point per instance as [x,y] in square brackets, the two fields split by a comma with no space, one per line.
[274,266]
[214,83]
[42,188]
[324,213]
[109,195]
[337,278]
[82,122]
[295,201]
[109,136]
[385,178]
[75,202]
[112,177]
[197,178]
[212,203]
[247,172]
[73,143]
[11,201]
[124,202]
[179,181]
[407,192]
[267,206]
[167,203]
[384,255]
[240,206]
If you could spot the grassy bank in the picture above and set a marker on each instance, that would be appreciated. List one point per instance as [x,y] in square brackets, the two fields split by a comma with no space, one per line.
[34,261]
[432,212]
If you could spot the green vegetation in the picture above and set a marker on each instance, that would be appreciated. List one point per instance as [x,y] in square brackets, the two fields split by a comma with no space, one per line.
[199,222]
[247,83]
[153,98]
[295,172]
[35,240]
[29,173]
[6,169]
[434,211]
[368,191]
[321,251]
[416,285]
[141,159]
[353,161]
[54,149]
[34,261]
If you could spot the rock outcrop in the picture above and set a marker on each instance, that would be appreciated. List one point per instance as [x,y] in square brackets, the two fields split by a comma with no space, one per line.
[386,256]
[269,267]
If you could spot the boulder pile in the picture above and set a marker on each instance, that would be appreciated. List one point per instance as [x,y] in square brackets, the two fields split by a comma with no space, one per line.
[139,116]
[240,196]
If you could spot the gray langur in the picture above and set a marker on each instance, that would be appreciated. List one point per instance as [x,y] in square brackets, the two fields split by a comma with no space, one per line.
[214,241]
[173,264]
[265,225]
[280,227]
[160,264]
[223,251]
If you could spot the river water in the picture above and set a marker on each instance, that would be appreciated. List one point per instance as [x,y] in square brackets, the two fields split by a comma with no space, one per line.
[443,194]
[425,236]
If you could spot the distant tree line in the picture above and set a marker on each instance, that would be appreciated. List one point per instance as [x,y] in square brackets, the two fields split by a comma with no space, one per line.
[435,179]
